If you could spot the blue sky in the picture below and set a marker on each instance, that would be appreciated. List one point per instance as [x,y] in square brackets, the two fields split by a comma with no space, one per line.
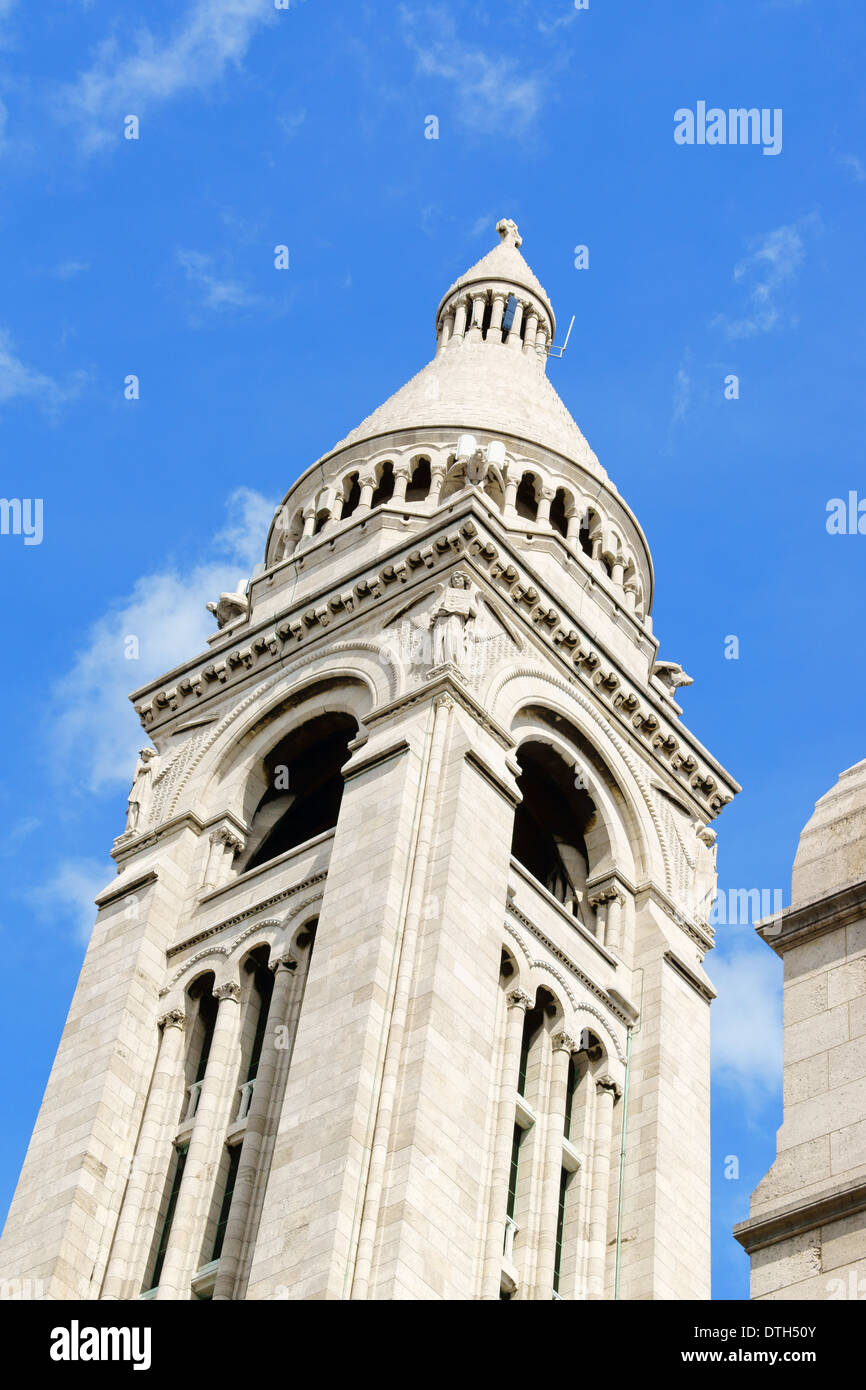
[305,127]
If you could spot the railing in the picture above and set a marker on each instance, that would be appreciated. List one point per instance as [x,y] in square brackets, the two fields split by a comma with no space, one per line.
[246,1091]
[511,1229]
[194,1094]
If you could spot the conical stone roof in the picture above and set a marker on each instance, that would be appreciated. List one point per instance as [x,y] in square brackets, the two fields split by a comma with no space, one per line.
[485,385]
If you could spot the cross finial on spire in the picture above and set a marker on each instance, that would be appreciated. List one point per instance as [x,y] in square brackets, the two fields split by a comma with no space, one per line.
[509,233]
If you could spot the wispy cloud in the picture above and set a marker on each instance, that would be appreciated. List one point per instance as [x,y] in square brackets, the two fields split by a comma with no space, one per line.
[20,381]
[682,396]
[773,262]
[66,897]
[291,123]
[16,834]
[93,732]
[67,270]
[210,37]
[217,291]
[746,1021]
[854,165]
[493,94]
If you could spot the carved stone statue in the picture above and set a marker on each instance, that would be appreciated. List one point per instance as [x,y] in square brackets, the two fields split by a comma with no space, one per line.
[705,872]
[231,606]
[141,792]
[671,675]
[507,229]
[454,610]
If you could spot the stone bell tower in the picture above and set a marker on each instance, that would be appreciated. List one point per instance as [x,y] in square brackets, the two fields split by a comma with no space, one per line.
[398,993]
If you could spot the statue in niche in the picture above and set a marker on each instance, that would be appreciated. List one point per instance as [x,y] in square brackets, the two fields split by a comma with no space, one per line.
[141,792]
[705,872]
[452,613]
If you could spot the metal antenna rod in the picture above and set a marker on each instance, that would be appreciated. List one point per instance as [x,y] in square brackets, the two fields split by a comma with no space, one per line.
[557,352]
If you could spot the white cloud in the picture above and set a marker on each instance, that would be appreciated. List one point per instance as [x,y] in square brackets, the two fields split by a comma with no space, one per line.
[219,292]
[19,381]
[67,270]
[746,1021]
[67,895]
[211,36]
[773,262]
[854,165]
[682,395]
[291,123]
[93,732]
[493,94]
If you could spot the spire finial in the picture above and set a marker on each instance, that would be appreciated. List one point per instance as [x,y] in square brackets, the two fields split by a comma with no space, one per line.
[509,233]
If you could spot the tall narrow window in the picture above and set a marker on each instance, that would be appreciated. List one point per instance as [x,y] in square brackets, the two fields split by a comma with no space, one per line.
[162,1246]
[531,1025]
[517,1140]
[560,1227]
[207,1011]
[234,1160]
[263,985]
[570,1087]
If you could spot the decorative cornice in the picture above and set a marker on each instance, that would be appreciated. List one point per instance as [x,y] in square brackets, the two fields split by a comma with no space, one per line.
[266,647]
[690,978]
[477,762]
[797,1217]
[802,923]
[115,892]
[382,755]
[576,1004]
[248,912]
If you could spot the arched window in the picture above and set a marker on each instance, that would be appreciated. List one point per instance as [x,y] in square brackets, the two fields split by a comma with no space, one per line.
[549,825]
[586,534]
[558,519]
[526,501]
[351,495]
[419,482]
[384,490]
[305,787]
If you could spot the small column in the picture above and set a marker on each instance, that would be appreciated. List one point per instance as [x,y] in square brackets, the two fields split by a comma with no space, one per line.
[572,532]
[514,339]
[367,483]
[606,1094]
[631,592]
[437,478]
[479,304]
[542,338]
[511,486]
[563,1046]
[309,515]
[257,1116]
[616,572]
[496,316]
[143,1190]
[224,845]
[401,482]
[517,1003]
[543,514]
[531,330]
[205,1147]
[446,331]
[613,926]
[460,319]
